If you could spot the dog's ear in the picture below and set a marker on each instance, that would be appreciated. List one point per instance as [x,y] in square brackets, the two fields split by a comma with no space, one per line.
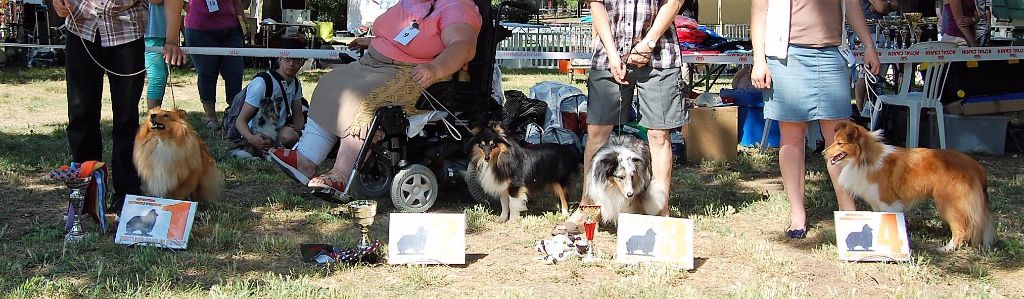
[496,126]
[181,113]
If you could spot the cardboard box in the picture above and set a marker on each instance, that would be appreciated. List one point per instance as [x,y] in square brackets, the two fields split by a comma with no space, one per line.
[712,134]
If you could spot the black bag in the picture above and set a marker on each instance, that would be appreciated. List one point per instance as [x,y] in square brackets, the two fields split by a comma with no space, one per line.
[520,111]
[231,113]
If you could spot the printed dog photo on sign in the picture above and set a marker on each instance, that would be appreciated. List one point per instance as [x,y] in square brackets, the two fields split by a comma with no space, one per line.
[862,239]
[413,244]
[642,244]
[142,225]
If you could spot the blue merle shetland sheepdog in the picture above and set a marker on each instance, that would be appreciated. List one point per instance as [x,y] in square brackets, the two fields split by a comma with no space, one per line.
[620,179]
[508,171]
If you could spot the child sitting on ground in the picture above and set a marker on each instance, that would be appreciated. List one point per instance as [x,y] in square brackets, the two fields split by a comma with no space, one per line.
[264,122]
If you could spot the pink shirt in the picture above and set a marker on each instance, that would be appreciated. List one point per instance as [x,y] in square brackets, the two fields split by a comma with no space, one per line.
[427,44]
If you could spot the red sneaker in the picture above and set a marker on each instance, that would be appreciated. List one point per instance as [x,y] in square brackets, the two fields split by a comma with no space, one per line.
[288,161]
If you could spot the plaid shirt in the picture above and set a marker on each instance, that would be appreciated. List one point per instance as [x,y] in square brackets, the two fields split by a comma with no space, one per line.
[117,21]
[630,21]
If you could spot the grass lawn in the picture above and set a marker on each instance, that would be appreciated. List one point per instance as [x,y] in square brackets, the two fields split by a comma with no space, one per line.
[246,245]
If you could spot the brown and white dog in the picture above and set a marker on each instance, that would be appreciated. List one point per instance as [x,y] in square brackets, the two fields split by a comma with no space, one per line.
[172,161]
[620,179]
[892,179]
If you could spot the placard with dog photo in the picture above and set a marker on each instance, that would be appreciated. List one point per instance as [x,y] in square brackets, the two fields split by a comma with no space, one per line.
[157,222]
[416,238]
[872,236]
[643,238]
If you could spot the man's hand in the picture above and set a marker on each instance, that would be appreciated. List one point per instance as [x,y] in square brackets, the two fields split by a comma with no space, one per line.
[173,54]
[640,55]
[871,60]
[425,74]
[761,76]
[966,21]
[260,141]
[62,8]
[359,43]
[617,68]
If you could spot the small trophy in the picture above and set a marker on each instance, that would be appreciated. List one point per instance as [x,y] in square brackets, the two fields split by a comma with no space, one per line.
[363,211]
[590,228]
[77,189]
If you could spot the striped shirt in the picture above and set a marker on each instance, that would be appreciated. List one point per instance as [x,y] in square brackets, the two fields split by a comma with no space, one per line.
[117,21]
[630,21]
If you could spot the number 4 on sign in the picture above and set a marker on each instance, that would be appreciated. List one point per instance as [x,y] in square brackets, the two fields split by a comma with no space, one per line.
[889,234]
[179,219]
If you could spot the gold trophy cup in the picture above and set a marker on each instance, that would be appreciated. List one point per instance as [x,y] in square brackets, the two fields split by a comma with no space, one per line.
[363,211]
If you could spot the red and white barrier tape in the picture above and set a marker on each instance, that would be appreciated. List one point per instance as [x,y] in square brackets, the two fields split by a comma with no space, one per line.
[886,56]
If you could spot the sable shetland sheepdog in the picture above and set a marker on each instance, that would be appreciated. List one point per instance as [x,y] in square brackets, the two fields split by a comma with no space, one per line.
[508,171]
[620,179]
[892,179]
[172,161]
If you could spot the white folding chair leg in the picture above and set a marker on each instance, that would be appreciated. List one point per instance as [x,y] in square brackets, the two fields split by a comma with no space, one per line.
[940,119]
[764,135]
[914,126]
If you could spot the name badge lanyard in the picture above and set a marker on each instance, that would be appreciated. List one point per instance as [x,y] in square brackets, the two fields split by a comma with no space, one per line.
[407,34]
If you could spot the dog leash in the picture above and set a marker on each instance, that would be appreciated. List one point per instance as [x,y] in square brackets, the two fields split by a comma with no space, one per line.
[448,125]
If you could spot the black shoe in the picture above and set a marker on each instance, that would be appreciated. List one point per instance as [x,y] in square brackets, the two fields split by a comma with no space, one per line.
[796,233]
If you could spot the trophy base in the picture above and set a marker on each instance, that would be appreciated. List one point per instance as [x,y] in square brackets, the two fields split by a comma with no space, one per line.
[73,238]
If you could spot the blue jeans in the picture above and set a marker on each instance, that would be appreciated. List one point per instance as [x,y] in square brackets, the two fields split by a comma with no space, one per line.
[208,67]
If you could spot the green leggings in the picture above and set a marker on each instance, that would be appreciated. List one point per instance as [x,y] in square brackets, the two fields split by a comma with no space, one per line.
[156,70]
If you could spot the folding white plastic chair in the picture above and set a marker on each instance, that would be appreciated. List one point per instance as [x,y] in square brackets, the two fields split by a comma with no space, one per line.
[934,83]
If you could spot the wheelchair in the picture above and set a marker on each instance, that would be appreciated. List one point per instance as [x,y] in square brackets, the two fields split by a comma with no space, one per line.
[410,170]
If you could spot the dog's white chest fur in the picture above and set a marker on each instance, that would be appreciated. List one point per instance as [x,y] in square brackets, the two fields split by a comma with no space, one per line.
[488,181]
[164,156]
[855,179]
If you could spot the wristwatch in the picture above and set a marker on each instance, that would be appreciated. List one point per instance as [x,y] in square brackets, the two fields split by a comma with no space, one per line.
[649,42]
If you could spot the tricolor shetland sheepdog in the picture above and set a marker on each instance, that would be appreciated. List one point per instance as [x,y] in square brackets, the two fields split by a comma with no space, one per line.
[892,179]
[620,180]
[509,171]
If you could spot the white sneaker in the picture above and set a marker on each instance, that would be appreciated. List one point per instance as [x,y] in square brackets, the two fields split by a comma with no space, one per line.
[240,154]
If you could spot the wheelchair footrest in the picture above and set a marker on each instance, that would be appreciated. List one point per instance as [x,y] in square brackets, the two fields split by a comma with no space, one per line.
[332,196]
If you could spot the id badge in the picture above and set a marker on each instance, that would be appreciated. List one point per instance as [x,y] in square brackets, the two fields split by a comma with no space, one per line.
[407,35]
[848,55]
[212,5]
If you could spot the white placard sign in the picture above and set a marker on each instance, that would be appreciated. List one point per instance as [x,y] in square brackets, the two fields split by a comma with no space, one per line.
[871,236]
[415,238]
[157,222]
[643,238]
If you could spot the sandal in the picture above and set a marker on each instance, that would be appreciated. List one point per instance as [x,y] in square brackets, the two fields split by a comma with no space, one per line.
[328,187]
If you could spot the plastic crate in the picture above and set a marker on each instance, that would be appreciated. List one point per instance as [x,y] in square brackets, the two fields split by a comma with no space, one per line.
[968,134]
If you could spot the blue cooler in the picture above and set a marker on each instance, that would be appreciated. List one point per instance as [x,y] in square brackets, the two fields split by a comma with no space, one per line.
[751,117]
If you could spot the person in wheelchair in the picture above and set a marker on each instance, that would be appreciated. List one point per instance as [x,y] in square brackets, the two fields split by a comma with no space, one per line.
[417,43]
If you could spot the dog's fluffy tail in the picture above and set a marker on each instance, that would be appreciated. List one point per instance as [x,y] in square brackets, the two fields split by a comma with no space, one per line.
[210,185]
[984,229]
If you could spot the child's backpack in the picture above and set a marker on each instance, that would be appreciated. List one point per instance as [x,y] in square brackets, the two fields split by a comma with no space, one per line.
[238,102]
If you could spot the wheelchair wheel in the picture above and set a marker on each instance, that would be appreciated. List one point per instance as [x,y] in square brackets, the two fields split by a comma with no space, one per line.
[375,180]
[480,196]
[414,189]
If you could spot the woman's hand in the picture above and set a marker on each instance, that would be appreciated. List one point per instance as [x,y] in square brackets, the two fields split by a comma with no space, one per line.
[259,141]
[426,74]
[360,43]
[871,60]
[761,76]
[172,53]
